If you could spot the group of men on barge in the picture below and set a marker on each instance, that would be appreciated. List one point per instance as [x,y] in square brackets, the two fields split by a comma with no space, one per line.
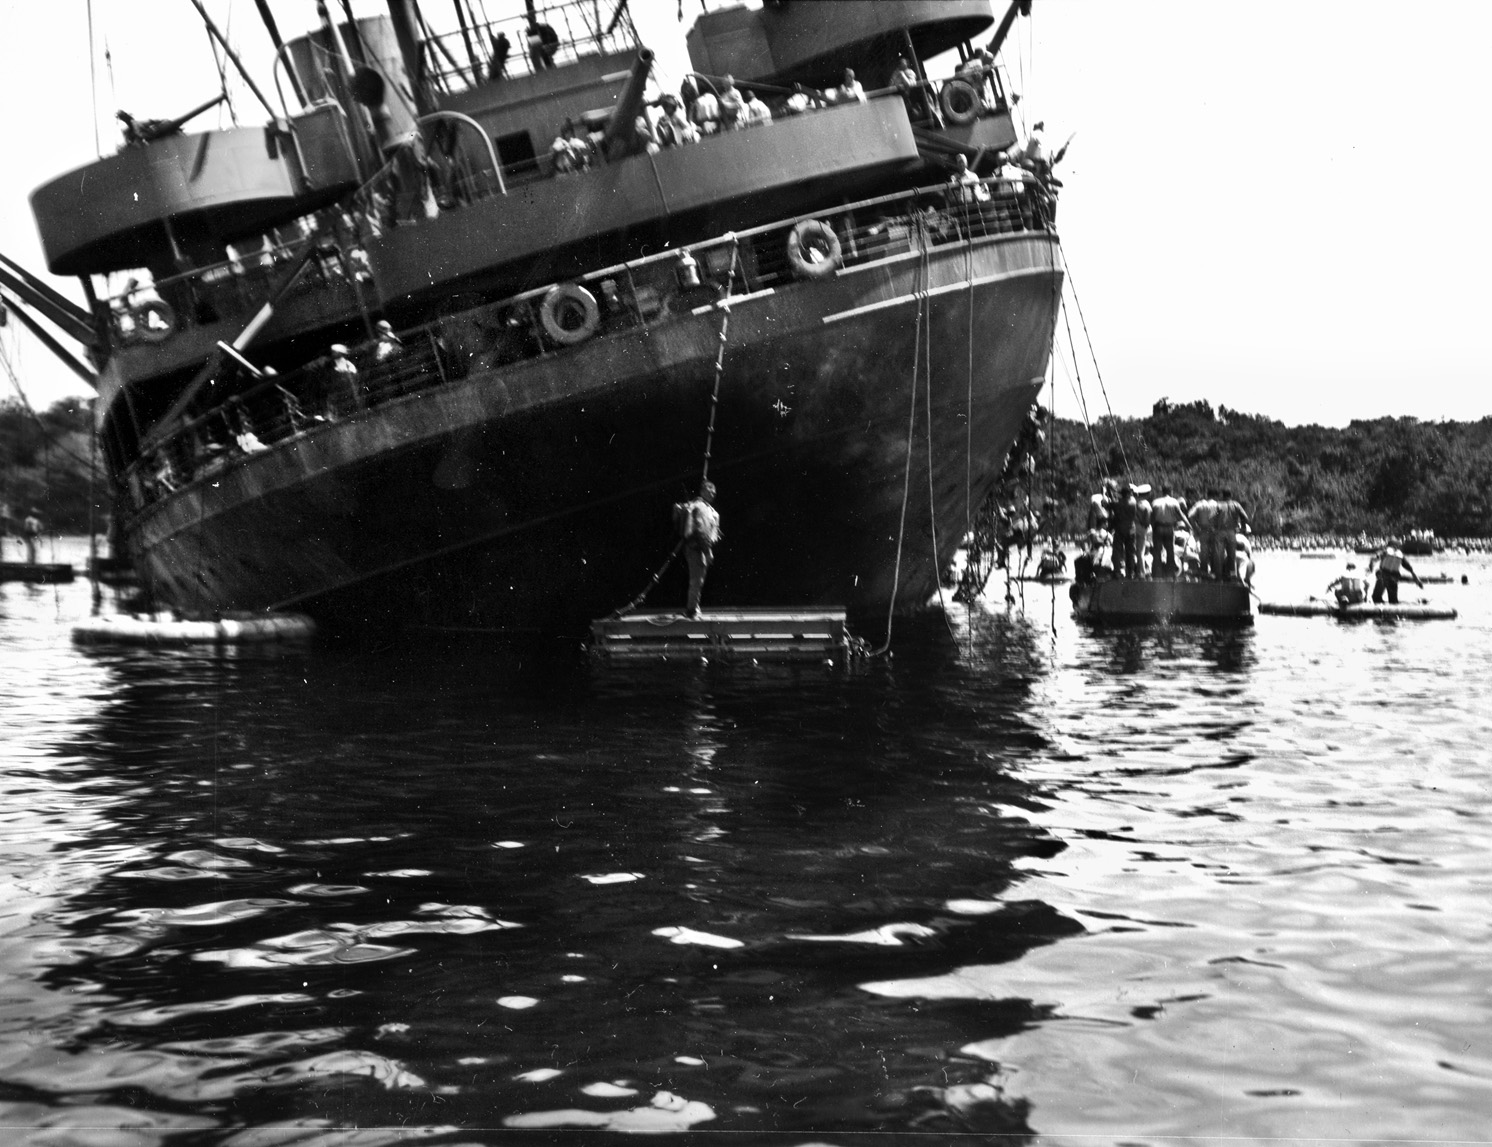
[1132,536]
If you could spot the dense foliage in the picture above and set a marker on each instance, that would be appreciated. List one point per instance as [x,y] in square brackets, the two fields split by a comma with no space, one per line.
[1380,478]
[45,463]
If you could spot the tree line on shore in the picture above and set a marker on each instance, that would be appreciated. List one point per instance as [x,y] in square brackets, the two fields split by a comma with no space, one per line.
[1380,478]
[47,464]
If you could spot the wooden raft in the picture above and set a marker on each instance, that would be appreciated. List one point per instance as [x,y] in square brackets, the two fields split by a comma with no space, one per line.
[1407,611]
[776,634]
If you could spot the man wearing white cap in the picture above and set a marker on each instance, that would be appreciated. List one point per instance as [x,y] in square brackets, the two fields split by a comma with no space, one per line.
[388,345]
[346,396]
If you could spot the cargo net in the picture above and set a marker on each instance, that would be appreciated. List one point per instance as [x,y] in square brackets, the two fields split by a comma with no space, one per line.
[1005,518]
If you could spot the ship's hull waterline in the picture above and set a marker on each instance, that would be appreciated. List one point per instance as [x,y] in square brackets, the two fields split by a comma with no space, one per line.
[537,496]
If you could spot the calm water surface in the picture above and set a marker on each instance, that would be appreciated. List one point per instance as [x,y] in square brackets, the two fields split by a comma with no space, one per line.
[1028,878]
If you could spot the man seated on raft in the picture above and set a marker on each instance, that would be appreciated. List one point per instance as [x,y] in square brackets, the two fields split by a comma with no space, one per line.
[1349,589]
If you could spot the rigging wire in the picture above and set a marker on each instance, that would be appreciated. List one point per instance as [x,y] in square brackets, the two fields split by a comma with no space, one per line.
[98,147]
[48,437]
[220,61]
[969,424]
[109,66]
[969,401]
[1073,352]
[906,480]
[1091,354]
[932,503]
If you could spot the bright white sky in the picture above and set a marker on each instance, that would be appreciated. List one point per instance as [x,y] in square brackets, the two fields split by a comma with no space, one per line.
[1279,207]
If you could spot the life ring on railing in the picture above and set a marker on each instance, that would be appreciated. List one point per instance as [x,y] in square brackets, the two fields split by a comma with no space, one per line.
[813,250]
[569,314]
[154,321]
[960,101]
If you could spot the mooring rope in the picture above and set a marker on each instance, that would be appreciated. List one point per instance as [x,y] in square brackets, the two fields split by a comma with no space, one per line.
[906,481]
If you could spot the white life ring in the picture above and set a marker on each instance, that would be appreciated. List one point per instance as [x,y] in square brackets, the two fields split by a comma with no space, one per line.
[813,250]
[569,314]
[960,101]
[154,321]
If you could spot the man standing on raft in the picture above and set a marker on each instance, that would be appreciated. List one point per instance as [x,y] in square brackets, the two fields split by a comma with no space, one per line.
[699,526]
[1390,563]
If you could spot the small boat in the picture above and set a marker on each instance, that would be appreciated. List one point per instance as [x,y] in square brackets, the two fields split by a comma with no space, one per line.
[38,573]
[168,628]
[1143,600]
[1420,543]
[1318,553]
[1406,611]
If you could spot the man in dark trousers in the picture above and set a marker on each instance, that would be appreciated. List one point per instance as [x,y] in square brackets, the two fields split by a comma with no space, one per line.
[1390,564]
[31,532]
[1125,515]
[699,525]
[1166,513]
[1228,524]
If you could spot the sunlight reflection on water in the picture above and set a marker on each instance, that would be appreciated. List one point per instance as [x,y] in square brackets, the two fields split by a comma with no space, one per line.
[1035,878]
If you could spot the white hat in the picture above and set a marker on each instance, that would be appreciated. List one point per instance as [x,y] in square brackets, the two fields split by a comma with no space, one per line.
[338,348]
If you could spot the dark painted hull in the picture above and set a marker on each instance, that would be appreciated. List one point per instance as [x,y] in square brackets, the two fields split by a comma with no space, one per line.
[1146,601]
[538,496]
[40,573]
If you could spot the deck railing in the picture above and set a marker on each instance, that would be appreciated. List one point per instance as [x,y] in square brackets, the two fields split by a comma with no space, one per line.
[464,58]
[273,409]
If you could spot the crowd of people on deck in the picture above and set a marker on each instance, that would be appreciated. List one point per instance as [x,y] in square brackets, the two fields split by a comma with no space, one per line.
[705,107]
[327,390]
[702,108]
[1129,535]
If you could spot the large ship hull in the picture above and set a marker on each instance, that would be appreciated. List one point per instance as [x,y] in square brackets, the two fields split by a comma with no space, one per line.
[537,496]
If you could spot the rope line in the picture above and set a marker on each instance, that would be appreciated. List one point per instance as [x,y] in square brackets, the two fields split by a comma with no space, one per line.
[98,146]
[1091,354]
[968,424]
[724,305]
[1083,398]
[704,472]
[932,505]
[919,291]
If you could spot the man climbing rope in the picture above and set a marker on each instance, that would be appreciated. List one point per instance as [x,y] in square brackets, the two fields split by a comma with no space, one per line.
[698,523]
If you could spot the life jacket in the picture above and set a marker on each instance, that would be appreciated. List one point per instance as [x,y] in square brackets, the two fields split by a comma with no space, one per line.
[697,521]
[1391,562]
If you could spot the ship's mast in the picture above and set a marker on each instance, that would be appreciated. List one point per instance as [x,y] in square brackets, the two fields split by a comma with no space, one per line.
[268,19]
[232,55]
[404,15]
[1017,7]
